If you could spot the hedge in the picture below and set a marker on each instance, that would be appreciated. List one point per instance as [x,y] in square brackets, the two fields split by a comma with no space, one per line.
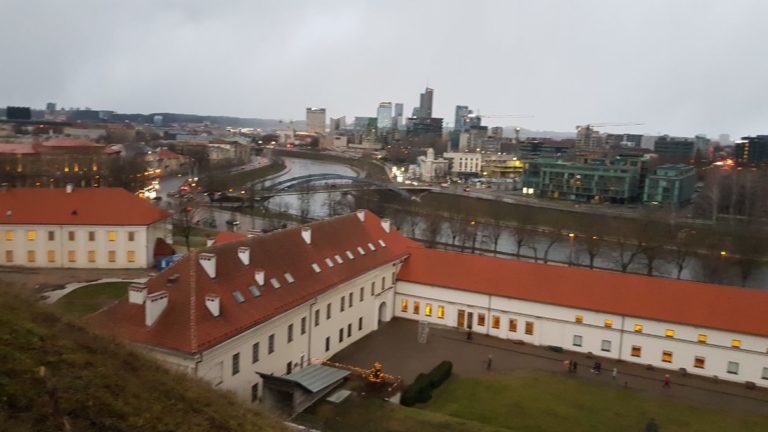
[421,389]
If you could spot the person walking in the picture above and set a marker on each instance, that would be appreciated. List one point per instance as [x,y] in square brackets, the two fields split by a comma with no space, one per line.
[666,381]
[574,366]
[490,361]
[614,373]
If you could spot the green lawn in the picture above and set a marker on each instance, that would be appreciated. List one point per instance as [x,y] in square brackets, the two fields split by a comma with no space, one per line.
[530,401]
[90,298]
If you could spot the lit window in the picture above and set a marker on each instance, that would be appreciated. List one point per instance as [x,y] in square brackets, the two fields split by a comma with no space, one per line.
[9,256]
[31,256]
[605,346]
[428,309]
[495,321]
[513,325]
[131,256]
[702,338]
[31,235]
[577,340]
[416,307]
[404,305]
[112,256]
[481,320]
[316,267]
[71,256]
[579,319]
[669,333]
[666,356]
[698,362]
[636,351]
[9,235]
[112,235]
[638,328]
[529,327]
[131,235]
[51,256]
[91,256]
[735,343]
[733,368]
[608,323]
[441,312]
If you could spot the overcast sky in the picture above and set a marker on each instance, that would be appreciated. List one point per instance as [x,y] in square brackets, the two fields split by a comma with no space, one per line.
[680,67]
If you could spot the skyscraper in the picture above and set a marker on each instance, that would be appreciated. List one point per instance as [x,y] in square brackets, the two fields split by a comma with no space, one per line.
[462,111]
[384,116]
[397,120]
[315,120]
[425,103]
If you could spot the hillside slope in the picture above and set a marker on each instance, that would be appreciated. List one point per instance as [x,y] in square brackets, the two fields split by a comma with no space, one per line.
[92,383]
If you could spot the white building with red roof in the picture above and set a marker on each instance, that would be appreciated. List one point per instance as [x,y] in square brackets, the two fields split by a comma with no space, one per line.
[265,305]
[80,228]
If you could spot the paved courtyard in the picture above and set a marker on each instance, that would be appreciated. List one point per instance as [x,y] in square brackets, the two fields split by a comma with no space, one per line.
[397,348]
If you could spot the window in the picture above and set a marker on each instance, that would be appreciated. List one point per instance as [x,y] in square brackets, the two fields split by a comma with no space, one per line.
[31,256]
[577,340]
[428,309]
[636,351]
[131,256]
[131,235]
[702,338]
[698,362]
[9,256]
[91,235]
[341,335]
[349,255]
[111,256]
[666,356]
[608,323]
[317,318]
[529,327]
[669,333]
[31,235]
[360,250]
[328,262]
[328,311]
[765,373]
[383,283]
[71,256]
[605,345]
[360,323]
[351,298]
[235,364]
[373,288]
[316,268]
[338,259]
[441,312]
[342,300]
[275,283]
[638,328]
[416,308]
[404,305]
[327,344]
[288,367]
[349,330]
[289,277]
[481,320]
[290,333]
[362,292]
[51,235]
[91,256]
[513,325]
[735,343]
[495,321]
[255,353]
[579,319]
[51,256]
[71,235]
[733,368]
[9,235]
[254,392]
[111,235]
[271,344]
[303,325]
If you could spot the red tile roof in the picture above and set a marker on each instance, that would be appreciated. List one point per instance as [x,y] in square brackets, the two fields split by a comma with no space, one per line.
[84,206]
[186,324]
[167,154]
[71,142]
[17,148]
[227,236]
[674,301]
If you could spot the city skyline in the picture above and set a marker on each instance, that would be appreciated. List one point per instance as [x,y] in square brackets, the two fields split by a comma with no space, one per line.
[563,63]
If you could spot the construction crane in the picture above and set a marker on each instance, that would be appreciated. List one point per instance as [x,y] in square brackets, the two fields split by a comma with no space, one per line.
[588,137]
[482,116]
[596,125]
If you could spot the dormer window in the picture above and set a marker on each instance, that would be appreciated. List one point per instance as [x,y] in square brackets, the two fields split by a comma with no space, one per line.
[254,291]
[328,262]
[238,297]
[349,255]
[338,259]
[289,277]
[316,268]
[371,247]
[361,250]
[275,283]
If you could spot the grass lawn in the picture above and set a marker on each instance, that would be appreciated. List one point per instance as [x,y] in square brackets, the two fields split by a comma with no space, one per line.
[90,298]
[530,401]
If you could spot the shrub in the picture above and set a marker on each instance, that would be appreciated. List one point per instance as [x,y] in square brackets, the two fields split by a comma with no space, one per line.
[420,391]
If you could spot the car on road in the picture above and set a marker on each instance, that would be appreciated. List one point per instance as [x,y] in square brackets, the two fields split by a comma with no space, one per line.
[467,189]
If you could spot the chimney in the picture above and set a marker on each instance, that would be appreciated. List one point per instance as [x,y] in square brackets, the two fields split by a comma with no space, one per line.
[244,253]
[386,224]
[258,275]
[306,234]
[154,307]
[213,304]
[208,262]
[137,293]
[361,215]
[70,187]
[254,232]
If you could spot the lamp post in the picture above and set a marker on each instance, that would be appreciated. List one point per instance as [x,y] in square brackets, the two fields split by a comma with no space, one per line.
[571,238]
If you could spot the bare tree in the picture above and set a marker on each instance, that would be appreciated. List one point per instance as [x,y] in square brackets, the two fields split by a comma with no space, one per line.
[305,204]
[433,225]
[521,234]
[186,211]
[683,248]
[552,236]
[591,245]
[493,232]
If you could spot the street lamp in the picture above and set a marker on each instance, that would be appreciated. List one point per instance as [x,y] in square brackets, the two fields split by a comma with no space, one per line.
[571,237]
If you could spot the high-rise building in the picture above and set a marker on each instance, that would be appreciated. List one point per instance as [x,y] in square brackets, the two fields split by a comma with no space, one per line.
[315,120]
[50,107]
[497,132]
[384,116]
[752,150]
[397,120]
[425,103]
[462,111]
[674,150]
[336,124]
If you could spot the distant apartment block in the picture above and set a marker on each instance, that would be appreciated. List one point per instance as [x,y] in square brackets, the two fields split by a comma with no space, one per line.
[670,185]
[674,150]
[316,120]
[752,150]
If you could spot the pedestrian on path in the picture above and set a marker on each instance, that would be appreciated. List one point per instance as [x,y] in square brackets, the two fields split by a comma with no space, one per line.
[614,373]
[490,361]
[666,381]
[574,366]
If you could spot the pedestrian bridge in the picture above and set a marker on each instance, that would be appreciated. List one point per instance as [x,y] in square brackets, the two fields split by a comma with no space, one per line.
[293,184]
